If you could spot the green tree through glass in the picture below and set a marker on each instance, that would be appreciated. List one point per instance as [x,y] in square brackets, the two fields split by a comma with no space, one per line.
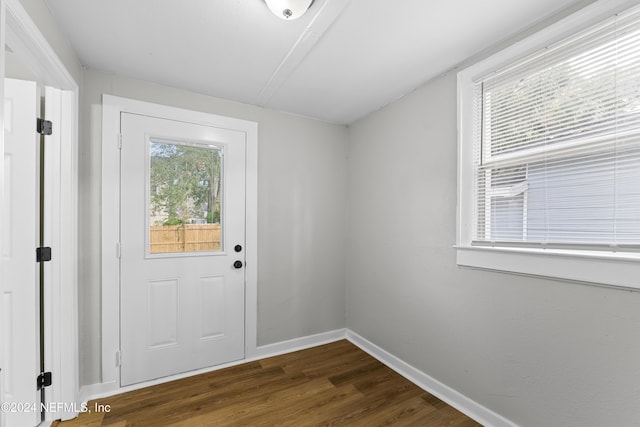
[185,183]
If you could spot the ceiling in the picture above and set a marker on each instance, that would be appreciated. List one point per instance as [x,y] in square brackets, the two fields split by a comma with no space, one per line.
[339,62]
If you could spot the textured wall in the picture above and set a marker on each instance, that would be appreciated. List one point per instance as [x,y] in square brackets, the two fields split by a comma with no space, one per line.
[302,170]
[538,352]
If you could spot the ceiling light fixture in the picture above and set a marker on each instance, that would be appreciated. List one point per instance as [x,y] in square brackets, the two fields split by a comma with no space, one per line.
[289,9]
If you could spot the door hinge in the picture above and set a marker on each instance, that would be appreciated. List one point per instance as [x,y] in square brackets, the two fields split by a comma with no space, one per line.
[43,254]
[44,127]
[118,250]
[44,380]
[119,141]
[118,359]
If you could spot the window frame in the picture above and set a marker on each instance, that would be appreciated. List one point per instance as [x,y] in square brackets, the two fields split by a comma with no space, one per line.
[221,147]
[612,269]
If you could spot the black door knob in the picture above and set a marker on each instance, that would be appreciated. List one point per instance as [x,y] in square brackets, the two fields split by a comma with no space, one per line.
[237,264]
[237,248]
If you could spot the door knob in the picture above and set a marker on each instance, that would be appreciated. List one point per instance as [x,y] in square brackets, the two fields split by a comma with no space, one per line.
[237,264]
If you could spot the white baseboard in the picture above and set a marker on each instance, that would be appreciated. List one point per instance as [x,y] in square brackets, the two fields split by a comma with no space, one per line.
[101,390]
[302,343]
[443,392]
[97,391]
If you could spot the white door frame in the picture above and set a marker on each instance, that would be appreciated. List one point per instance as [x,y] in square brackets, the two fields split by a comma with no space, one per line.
[112,107]
[61,332]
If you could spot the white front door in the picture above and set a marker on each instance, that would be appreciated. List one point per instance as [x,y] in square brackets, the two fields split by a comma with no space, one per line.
[20,313]
[182,240]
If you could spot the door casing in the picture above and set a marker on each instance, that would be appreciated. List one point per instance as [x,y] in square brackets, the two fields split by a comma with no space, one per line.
[112,107]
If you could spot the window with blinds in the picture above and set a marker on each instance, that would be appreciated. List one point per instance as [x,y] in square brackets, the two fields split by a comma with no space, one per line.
[557,144]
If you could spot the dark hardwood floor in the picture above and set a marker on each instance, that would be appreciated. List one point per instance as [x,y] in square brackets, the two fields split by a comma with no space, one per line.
[335,384]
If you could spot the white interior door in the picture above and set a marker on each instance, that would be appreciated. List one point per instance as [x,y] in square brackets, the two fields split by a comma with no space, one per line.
[20,312]
[182,240]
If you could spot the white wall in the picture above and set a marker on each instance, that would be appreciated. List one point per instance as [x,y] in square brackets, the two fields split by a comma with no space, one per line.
[15,68]
[41,16]
[538,352]
[302,171]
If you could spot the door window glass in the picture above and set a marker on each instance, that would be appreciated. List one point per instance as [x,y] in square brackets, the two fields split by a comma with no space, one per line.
[185,197]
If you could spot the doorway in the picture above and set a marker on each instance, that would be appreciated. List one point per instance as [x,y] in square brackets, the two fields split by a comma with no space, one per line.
[182,210]
[179,264]
[56,338]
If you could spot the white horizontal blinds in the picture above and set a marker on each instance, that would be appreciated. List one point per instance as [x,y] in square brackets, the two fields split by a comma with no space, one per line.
[558,142]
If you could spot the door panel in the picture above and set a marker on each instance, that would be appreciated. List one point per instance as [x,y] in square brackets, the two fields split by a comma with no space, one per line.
[211,306]
[19,268]
[163,313]
[182,213]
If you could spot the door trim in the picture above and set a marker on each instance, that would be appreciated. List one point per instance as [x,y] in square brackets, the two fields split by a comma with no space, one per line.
[25,39]
[112,107]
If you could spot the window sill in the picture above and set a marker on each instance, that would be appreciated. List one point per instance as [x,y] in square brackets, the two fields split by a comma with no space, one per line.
[620,270]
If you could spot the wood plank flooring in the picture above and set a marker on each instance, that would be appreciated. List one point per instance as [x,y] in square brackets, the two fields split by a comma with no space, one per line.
[335,384]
